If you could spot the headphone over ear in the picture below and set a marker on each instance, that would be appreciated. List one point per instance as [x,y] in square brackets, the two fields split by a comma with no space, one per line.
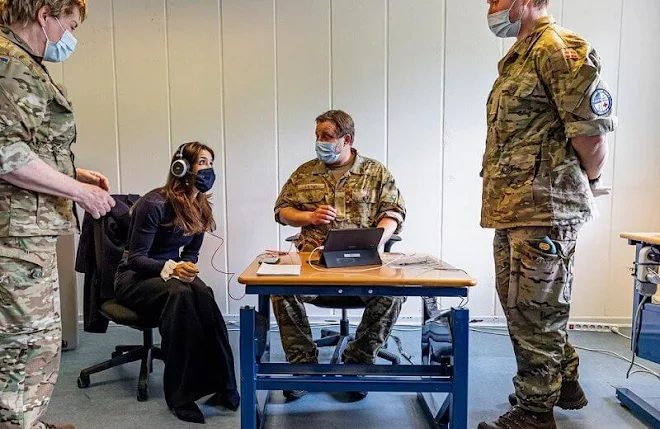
[180,166]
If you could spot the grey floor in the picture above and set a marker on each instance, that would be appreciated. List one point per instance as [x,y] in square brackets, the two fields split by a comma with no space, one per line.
[110,402]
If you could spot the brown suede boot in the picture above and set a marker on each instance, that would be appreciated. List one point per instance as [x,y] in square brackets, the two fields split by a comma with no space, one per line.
[572,397]
[518,418]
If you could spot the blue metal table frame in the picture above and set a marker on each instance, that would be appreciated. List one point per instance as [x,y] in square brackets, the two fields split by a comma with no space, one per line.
[259,376]
[635,404]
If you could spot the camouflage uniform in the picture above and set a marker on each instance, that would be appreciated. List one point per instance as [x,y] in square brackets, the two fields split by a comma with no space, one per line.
[36,121]
[549,91]
[364,195]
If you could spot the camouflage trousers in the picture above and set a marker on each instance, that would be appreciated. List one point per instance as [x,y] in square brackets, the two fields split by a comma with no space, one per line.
[534,288]
[379,317]
[30,330]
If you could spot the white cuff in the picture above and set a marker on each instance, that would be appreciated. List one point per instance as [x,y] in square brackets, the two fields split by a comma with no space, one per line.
[168,269]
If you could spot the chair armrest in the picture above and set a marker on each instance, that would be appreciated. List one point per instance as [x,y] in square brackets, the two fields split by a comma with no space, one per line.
[393,239]
[293,238]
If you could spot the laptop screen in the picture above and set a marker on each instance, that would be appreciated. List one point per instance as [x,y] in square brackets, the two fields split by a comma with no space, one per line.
[350,239]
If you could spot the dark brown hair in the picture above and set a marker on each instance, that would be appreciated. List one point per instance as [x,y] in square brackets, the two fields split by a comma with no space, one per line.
[191,215]
[342,120]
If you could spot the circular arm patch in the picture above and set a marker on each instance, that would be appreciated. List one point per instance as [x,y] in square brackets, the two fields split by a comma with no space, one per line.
[601,102]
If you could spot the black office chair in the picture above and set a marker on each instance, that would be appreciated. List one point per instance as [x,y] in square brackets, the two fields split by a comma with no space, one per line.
[117,313]
[340,339]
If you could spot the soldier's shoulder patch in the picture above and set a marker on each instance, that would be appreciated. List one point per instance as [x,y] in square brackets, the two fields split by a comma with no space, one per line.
[601,102]
[570,54]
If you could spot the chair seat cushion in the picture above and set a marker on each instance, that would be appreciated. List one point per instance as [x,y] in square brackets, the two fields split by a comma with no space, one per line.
[120,314]
[343,302]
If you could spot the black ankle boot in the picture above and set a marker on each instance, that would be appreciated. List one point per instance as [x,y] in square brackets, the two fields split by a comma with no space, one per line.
[189,412]
[229,400]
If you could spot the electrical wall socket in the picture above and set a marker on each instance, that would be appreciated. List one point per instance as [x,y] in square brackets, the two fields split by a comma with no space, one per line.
[593,327]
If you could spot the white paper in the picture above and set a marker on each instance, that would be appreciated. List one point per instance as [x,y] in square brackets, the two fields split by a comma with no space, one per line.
[278,270]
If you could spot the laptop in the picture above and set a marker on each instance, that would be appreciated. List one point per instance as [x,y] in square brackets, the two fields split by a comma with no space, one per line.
[351,247]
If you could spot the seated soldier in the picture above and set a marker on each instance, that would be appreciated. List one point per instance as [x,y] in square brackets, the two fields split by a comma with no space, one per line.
[340,189]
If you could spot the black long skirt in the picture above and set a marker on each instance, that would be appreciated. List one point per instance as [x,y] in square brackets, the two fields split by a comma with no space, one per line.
[195,342]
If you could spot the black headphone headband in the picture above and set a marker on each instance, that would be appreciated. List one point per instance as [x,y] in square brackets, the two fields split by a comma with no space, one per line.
[180,151]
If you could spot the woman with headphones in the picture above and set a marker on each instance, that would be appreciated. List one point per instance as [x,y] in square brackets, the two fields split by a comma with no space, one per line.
[158,279]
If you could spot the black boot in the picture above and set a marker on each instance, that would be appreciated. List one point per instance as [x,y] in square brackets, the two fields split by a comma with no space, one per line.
[518,418]
[189,412]
[229,400]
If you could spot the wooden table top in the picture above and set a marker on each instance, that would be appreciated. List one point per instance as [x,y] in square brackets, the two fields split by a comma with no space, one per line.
[389,274]
[644,237]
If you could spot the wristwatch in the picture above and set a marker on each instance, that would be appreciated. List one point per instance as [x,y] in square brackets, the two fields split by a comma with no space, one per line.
[594,181]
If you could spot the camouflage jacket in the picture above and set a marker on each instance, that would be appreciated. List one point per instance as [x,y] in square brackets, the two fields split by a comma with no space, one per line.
[36,121]
[365,194]
[548,91]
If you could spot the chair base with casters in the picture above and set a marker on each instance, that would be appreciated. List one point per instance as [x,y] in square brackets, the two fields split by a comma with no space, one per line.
[340,340]
[123,354]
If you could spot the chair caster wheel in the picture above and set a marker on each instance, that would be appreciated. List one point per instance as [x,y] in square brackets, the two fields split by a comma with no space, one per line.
[83,381]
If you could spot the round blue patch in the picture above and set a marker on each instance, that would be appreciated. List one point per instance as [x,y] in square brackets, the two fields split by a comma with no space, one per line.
[601,102]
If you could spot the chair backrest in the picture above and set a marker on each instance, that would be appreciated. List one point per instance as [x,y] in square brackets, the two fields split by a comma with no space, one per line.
[100,249]
[108,256]
[111,233]
[110,238]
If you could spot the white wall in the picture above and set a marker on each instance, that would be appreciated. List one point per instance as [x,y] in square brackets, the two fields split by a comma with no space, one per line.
[248,77]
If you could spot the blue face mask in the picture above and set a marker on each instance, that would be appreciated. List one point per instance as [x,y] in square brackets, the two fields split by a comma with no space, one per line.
[500,23]
[204,179]
[62,49]
[327,152]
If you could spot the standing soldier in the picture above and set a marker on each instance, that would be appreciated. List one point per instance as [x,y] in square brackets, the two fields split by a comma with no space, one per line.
[548,114]
[37,186]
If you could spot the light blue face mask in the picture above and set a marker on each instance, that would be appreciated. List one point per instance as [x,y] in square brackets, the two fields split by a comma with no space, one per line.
[62,49]
[500,23]
[327,152]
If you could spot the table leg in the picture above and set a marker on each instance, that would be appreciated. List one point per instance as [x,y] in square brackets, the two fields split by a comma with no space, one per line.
[263,328]
[248,370]
[436,412]
[460,321]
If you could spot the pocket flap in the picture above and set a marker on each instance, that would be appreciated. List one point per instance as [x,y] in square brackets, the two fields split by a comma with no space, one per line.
[365,196]
[42,260]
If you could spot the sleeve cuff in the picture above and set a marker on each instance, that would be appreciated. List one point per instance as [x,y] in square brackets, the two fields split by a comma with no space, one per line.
[168,270]
[596,127]
[277,216]
[392,215]
[15,156]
